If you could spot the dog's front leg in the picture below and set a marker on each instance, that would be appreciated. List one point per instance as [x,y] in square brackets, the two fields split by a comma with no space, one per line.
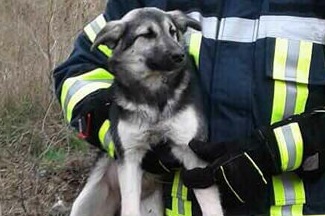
[208,198]
[130,177]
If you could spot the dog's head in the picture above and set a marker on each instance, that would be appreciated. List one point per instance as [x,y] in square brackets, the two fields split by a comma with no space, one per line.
[147,44]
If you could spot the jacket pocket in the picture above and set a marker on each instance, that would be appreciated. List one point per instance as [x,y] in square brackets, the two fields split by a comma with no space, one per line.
[295,61]
[297,68]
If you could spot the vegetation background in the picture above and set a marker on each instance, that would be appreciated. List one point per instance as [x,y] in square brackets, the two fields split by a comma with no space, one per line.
[42,164]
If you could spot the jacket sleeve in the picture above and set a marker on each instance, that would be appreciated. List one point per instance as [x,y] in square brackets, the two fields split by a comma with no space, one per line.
[82,82]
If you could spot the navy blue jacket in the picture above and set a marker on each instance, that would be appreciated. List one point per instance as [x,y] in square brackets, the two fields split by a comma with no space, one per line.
[240,59]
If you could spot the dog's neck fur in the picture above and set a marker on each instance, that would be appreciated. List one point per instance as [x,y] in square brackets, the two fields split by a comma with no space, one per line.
[162,102]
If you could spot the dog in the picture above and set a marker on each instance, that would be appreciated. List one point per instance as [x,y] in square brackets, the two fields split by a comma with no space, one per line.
[156,99]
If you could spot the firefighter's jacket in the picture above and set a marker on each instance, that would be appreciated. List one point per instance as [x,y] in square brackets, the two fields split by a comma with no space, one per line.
[259,61]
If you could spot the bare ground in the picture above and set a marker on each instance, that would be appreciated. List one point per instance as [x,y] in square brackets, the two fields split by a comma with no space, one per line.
[42,164]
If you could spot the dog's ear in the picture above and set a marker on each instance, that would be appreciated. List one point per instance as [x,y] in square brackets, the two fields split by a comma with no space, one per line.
[183,21]
[110,34]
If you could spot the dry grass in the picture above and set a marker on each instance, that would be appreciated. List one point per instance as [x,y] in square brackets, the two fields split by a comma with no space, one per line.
[40,159]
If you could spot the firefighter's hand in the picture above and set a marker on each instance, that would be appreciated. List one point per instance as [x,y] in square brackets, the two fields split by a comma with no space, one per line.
[234,166]
[160,160]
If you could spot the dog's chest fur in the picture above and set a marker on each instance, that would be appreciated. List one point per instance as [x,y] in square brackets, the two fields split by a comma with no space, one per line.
[141,131]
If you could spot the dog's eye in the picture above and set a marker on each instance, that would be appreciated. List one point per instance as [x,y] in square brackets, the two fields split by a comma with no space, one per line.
[149,34]
[172,31]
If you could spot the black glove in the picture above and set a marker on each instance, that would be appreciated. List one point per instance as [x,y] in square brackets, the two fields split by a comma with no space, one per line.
[260,156]
[233,165]
[160,160]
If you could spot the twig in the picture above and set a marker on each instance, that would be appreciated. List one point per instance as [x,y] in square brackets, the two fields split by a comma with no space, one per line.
[21,192]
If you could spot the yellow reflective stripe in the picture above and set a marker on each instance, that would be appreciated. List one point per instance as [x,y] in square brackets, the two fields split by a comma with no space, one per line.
[288,190]
[174,193]
[278,189]
[303,66]
[290,145]
[96,74]
[195,46]
[180,205]
[279,66]
[303,69]
[299,144]
[93,28]
[65,88]
[187,204]
[111,149]
[297,210]
[302,95]
[103,130]
[105,138]
[282,148]
[83,92]
[91,31]
[107,51]
[278,101]
[291,74]
[171,213]
[288,210]
[276,211]
[280,57]
[72,85]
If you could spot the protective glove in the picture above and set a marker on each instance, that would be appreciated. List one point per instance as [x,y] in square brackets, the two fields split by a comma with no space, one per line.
[160,160]
[295,143]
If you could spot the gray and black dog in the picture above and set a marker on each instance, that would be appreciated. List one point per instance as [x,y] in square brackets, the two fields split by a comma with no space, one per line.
[155,99]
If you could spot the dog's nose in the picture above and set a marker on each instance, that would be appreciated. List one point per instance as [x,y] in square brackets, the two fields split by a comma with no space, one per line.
[178,57]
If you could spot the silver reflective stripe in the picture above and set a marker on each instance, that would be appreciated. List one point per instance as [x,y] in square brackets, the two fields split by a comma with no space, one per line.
[291,146]
[291,98]
[291,74]
[209,24]
[250,30]
[289,190]
[291,27]
[181,209]
[286,210]
[95,27]
[107,139]
[77,86]
[238,30]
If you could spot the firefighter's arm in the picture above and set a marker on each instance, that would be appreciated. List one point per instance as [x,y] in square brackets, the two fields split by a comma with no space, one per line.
[82,85]
[295,144]
[83,81]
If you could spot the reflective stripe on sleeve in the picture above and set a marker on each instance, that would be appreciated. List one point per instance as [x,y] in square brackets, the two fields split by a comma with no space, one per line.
[289,195]
[291,66]
[195,47]
[289,210]
[290,145]
[93,28]
[180,205]
[75,89]
[105,139]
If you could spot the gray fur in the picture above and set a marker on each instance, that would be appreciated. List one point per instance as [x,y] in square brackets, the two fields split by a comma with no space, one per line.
[156,99]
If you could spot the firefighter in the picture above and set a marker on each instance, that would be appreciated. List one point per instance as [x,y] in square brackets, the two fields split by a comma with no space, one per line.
[262,68]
